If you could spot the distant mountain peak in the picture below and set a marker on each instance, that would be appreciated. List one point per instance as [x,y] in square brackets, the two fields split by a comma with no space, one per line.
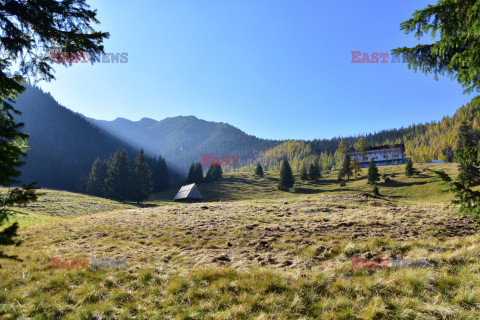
[147,122]
[190,117]
[121,119]
[146,119]
[183,139]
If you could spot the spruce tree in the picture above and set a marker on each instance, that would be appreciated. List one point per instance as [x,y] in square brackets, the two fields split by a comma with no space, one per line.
[259,170]
[314,171]
[209,176]
[96,180]
[118,177]
[165,177]
[468,172]
[346,169]
[372,176]
[31,30]
[214,173]
[409,171]
[152,164]
[286,176]
[198,173]
[303,174]
[160,177]
[318,169]
[218,172]
[311,172]
[465,136]
[454,51]
[191,174]
[12,148]
[142,179]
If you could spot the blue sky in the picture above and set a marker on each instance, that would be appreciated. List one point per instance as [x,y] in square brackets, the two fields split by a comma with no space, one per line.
[274,69]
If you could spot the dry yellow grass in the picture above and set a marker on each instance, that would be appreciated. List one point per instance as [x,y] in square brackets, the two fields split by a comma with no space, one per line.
[283,257]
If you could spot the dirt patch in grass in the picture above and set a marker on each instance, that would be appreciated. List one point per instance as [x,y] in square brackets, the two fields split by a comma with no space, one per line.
[285,234]
[262,259]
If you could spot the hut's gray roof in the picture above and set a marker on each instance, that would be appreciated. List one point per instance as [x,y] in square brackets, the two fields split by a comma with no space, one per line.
[189,191]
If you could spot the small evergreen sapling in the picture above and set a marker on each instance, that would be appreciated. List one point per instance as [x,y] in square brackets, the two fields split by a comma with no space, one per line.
[259,170]
[304,174]
[409,171]
[286,177]
[372,175]
[346,167]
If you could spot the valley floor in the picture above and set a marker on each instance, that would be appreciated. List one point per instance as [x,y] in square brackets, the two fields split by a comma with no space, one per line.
[265,255]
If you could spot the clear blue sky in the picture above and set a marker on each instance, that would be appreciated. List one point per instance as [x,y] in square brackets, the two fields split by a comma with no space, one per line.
[274,69]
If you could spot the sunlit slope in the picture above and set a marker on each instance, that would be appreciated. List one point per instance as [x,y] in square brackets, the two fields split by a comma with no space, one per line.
[244,186]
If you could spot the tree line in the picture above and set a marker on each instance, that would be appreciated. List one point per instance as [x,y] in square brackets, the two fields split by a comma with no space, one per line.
[195,173]
[436,140]
[116,178]
[287,180]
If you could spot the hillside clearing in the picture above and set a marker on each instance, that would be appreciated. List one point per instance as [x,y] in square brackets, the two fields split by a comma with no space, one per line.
[246,186]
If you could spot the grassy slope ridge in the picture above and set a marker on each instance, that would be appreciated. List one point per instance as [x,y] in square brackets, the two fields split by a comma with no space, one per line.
[262,254]
[245,186]
[54,204]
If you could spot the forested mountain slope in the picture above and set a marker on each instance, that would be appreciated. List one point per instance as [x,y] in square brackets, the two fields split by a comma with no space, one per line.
[184,139]
[63,145]
[423,142]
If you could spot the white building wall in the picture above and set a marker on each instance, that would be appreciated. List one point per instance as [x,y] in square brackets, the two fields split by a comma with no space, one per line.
[379,155]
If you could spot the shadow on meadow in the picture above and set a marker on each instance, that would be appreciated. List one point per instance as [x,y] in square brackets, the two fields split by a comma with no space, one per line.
[399,184]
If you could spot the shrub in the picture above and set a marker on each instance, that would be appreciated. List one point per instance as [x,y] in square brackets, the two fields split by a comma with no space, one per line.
[409,170]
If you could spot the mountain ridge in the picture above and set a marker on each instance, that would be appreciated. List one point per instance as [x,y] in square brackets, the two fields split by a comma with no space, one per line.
[64,143]
[183,139]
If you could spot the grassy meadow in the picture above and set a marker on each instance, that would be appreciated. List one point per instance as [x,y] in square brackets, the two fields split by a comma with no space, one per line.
[249,251]
[245,186]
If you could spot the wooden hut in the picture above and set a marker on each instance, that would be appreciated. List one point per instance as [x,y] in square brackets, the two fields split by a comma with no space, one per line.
[188,193]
